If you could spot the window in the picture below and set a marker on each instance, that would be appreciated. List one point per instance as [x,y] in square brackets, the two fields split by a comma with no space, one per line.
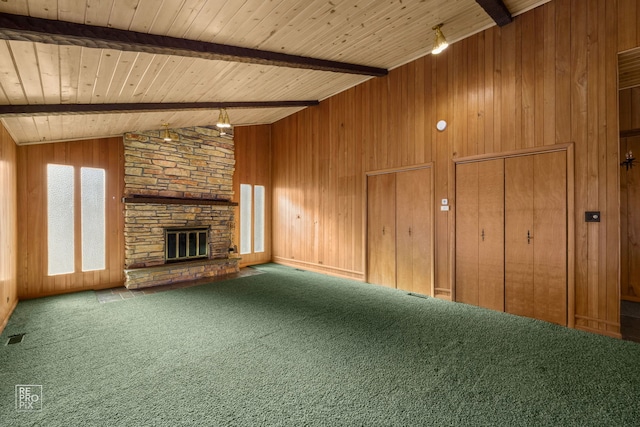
[92,204]
[252,218]
[61,222]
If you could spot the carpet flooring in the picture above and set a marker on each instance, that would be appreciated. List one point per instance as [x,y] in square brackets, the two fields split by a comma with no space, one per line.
[293,348]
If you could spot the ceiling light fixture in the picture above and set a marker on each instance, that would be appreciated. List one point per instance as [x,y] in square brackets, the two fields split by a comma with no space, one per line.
[166,135]
[223,119]
[440,43]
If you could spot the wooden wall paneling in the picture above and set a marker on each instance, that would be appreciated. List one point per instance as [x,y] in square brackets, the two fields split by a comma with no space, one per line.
[549,237]
[487,88]
[529,84]
[508,88]
[539,77]
[8,227]
[518,104]
[422,111]
[35,209]
[443,169]
[558,82]
[624,108]
[578,131]
[471,94]
[479,88]
[627,28]
[563,60]
[609,168]
[459,122]
[596,237]
[406,119]
[253,166]
[547,63]
[629,107]
[23,227]
[381,214]
[519,290]
[335,116]
[103,153]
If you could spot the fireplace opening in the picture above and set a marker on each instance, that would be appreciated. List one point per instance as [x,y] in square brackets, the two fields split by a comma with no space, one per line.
[186,243]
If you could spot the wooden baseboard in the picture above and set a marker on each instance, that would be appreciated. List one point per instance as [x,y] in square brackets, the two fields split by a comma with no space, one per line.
[320,268]
[611,334]
[601,323]
[70,291]
[6,319]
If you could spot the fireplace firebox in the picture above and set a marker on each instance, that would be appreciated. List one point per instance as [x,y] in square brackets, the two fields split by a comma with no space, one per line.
[182,244]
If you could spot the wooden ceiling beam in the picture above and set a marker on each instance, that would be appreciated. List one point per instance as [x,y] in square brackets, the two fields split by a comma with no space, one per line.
[26,28]
[67,109]
[497,10]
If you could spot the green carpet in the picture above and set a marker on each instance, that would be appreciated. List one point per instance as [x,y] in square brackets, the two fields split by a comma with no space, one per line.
[295,348]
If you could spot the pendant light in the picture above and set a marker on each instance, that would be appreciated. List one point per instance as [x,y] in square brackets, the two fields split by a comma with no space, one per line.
[223,119]
[440,43]
[166,135]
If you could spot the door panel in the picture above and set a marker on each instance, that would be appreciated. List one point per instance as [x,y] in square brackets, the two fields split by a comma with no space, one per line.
[381,223]
[467,239]
[519,294]
[491,242]
[413,231]
[550,239]
[480,234]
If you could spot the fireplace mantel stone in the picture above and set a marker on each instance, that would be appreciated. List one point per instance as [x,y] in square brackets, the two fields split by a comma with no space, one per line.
[186,182]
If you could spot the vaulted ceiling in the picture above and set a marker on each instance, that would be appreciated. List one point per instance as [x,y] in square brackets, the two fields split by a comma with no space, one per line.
[76,69]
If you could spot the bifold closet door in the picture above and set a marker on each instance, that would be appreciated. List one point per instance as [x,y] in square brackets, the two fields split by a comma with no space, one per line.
[536,236]
[381,229]
[413,231]
[480,233]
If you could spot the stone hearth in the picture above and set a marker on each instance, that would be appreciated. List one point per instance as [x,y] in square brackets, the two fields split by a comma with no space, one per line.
[186,182]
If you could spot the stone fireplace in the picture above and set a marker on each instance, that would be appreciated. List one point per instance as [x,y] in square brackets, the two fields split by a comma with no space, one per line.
[177,192]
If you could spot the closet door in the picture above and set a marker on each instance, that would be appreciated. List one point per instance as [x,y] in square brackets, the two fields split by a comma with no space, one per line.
[413,231]
[480,233]
[381,229]
[467,233]
[550,245]
[491,224]
[518,236]
[536,237]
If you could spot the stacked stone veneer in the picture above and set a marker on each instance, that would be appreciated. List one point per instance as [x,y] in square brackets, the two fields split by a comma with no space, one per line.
[197,165]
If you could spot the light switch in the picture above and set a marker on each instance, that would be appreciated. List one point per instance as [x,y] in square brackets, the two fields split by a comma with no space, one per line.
[593,216]
[445,202]
[444,208]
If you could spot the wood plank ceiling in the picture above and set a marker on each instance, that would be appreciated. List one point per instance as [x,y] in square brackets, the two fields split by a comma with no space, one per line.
[372,33]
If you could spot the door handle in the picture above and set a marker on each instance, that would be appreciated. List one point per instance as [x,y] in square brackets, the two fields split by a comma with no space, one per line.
[409,231]
[529,237]
[482,234]
[383,230]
